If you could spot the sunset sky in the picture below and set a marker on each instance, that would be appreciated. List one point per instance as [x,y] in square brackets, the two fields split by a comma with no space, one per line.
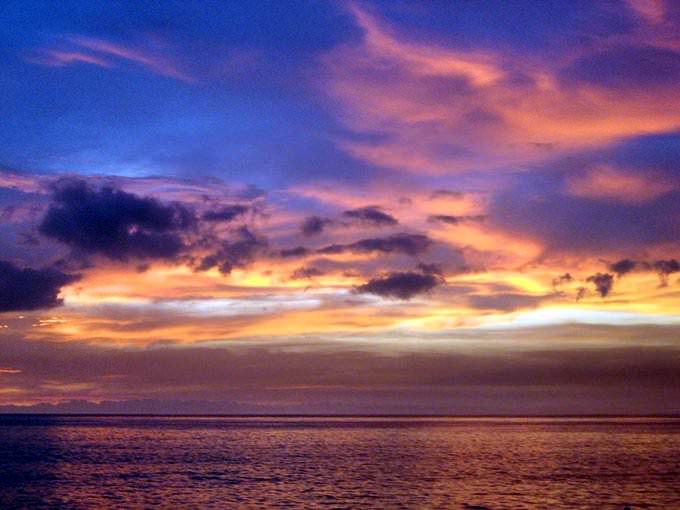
[452,207]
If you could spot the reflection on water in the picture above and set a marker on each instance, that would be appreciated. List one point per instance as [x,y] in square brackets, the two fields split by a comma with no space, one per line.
[182,463]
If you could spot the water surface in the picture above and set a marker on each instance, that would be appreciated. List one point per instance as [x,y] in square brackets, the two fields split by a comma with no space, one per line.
[260,463]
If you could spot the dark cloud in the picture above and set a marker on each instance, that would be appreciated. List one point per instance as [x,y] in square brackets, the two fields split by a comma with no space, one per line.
[627,67]
[227,213]
[306,273]
[400,285]
[453,220]
[234,254]
[563,278]
[445,193]
[408,244]
[665,268]
[623,266]
[298,251]
[314,225]
[371,215]
[433,269]
[113,223]
[603,283]
[31,289]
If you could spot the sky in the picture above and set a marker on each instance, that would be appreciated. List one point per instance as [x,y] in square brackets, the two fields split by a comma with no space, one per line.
[340,207]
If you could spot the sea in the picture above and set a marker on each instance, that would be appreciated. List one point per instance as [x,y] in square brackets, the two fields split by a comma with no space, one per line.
[149,462]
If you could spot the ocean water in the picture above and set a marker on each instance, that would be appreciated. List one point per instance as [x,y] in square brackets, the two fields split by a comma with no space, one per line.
[61,462]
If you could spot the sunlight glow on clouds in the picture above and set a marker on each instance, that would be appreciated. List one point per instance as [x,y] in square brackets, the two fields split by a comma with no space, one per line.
[373,195]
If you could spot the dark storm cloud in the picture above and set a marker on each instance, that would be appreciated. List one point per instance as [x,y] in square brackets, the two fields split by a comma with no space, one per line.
[371,215]
[627,67]
[453,220]
[408,244]
[113,223]
[400,285]
[603,283]
[31,289]
[227,213]
[314,225]
[234,253]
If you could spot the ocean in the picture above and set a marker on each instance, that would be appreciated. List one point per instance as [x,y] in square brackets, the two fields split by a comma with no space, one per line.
[107,462]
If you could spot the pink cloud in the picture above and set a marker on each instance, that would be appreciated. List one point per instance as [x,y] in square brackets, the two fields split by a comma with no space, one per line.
[103,53]
[652,11]
[158,64]
[605,182]
[440,110]
[59,58]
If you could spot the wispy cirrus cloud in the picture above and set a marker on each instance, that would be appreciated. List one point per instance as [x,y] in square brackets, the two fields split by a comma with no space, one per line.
[430,109]
[156,58]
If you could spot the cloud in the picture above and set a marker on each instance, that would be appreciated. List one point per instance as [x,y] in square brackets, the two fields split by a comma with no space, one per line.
[535,207]
[454,220]
[603,283]
[562,279]
[60,58]
[31,289]
[635,67]
[400,285]
[623,266]
[371,215]
[234,254]
[314,225]
[113,223]
[622,376]
[226,213]
[298,251]
[433,269]
[306,273]
[417,106]
[105,53]
[652,11]
[408,244]
[607,183]
[446,194]
[665,268]
[505,302]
